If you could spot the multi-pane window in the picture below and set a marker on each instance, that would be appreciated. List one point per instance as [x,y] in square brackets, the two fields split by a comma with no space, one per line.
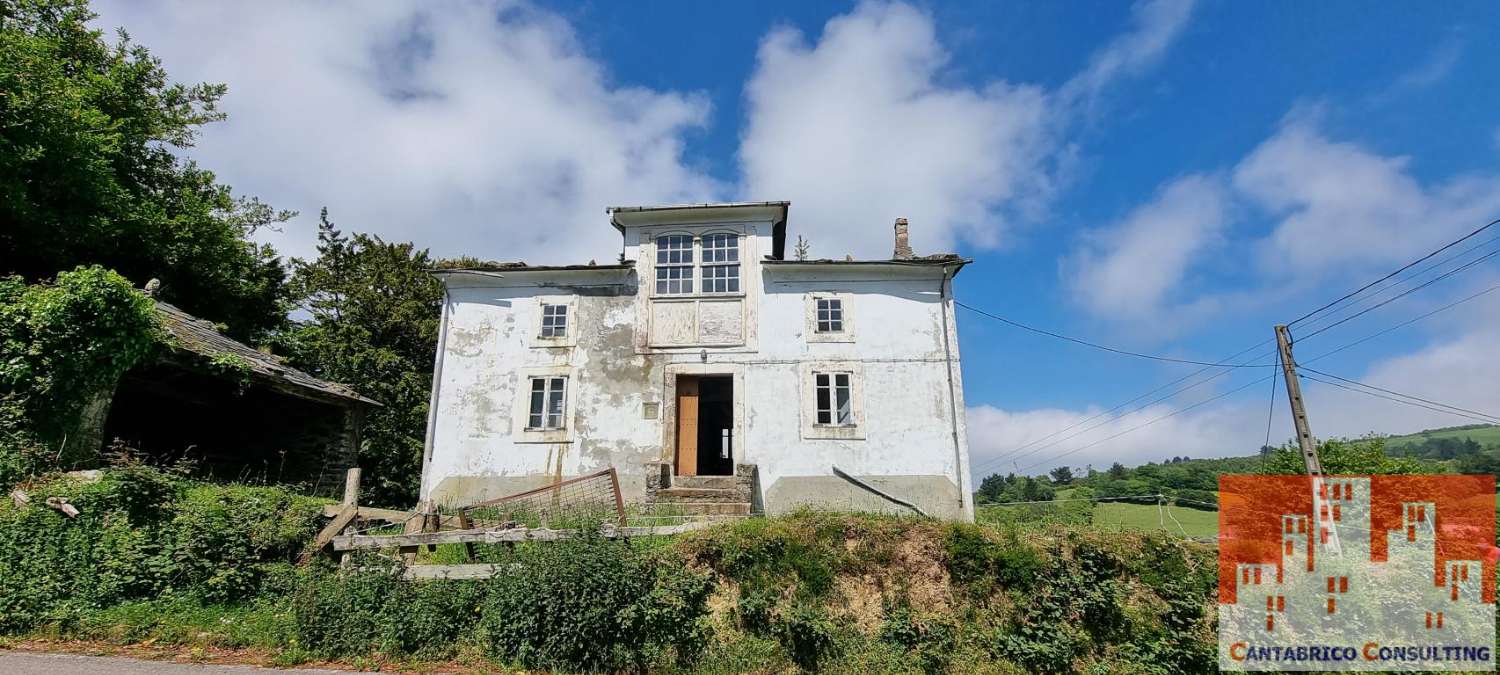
[721,263]
[554,321]
[674,264]
[830,315]
[834,408]
[547,402]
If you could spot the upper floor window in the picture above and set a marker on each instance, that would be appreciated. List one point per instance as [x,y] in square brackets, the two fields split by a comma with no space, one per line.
[554,321]
[674,264]
[830,317]
[721,263]
[547,402]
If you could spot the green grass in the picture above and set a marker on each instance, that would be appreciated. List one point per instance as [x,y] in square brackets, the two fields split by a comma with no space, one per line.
[1144,517]
[1485,436]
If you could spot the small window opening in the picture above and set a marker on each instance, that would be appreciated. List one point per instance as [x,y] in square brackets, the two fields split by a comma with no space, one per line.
[554,321]
[834,408]
[547,402]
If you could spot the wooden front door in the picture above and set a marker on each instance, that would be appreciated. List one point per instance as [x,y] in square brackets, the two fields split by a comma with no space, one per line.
[687,425]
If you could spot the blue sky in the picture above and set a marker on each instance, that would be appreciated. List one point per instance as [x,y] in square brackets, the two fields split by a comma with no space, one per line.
[1169,177]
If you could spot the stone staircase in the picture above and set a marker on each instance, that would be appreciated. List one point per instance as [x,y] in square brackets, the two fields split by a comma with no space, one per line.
[702,496]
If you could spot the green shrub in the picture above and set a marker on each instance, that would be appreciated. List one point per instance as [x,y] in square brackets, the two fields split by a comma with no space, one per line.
[142,533]
[594,604]
[371,609]
[976,560]
[808,635]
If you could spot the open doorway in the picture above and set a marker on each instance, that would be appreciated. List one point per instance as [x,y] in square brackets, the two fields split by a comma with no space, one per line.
[705,425]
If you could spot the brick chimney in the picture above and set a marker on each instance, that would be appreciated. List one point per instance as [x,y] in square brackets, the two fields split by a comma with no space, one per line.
[903,243]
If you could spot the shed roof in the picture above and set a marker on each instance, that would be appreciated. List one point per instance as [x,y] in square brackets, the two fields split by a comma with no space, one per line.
[200,337]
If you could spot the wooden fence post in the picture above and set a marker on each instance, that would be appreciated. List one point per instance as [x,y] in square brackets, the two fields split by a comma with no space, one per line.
[348,511]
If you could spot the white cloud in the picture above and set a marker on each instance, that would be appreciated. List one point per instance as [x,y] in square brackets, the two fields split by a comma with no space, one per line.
[476,128]
[1131,269]
[1157,24]
[865,125]
[1340,207]
[1002,441]
[1331,211]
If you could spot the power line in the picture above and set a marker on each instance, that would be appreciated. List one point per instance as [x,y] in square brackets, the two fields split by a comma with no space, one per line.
[1271,411]
[1406,280]
[1406,323]
[1139,408]
[1496,418]
[1143,425]
[1118,406]
[1095,345]
[1397,400]
[1403,268]
[1388,301]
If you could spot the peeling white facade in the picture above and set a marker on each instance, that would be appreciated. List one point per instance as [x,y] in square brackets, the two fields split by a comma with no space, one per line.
[738,368]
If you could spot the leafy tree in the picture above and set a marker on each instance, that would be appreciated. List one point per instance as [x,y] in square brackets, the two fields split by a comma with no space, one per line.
[1062,475]
[1117,471]
[89,132]
[372,318]
[1343,456]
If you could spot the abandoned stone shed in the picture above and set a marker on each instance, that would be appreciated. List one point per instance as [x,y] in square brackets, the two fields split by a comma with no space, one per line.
[711,371]
[238,413]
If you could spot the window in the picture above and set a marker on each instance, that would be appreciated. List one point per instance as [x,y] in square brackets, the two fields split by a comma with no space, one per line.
[830,315]
[833,393]
[554,321]
[547,402]
[721,263]
[674,264]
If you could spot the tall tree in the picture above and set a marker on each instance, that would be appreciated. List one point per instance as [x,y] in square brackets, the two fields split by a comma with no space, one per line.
[89,171]
[371,319]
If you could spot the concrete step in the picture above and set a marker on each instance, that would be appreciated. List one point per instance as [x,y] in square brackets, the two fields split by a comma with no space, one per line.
[711,482]
[717,495]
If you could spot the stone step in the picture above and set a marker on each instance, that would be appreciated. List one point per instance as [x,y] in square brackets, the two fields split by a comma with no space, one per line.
[682,494]
[711,482]
[707,508]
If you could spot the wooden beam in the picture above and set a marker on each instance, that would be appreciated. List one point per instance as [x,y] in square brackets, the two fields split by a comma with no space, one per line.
[472,571]
[329,533]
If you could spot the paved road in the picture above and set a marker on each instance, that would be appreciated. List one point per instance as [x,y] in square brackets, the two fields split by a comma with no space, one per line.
[37,663]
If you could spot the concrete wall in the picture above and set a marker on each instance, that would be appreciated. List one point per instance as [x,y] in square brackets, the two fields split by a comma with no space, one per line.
[907,442]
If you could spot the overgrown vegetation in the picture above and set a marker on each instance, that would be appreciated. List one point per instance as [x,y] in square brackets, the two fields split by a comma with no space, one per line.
[157,557]
[61,344]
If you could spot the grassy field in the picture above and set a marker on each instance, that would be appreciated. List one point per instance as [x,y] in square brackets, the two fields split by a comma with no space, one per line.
[1485,436]
[1144,517]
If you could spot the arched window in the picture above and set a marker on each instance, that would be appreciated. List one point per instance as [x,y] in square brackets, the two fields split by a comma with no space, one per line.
[721,263]
[674,264]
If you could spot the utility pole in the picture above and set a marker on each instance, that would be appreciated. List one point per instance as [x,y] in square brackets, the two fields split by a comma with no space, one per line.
[1305,438]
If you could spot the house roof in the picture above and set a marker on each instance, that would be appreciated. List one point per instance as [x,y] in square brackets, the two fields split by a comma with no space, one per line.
[200,337]
[518,266]
[935,260]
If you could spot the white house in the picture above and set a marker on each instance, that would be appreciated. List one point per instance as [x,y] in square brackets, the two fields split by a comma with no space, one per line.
[705,352]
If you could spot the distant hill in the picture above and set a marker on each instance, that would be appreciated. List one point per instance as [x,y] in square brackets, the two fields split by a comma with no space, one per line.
[1447,442]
